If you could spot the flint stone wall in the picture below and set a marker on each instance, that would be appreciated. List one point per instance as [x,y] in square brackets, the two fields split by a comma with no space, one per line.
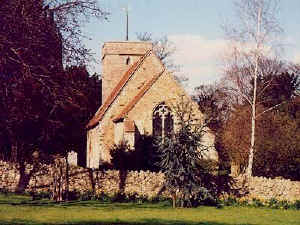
[278,188]
[141,183]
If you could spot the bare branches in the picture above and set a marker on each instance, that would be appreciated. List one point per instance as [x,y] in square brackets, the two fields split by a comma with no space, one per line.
[70,16]
[253,41]
[248,13]
[162,47]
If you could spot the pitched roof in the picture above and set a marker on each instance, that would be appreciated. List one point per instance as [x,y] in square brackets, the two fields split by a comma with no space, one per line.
[141,93]
[115,92]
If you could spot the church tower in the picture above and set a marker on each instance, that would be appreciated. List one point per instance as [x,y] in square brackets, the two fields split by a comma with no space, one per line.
[117,57]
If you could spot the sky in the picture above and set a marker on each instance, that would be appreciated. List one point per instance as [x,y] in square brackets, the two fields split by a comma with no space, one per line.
[193,26]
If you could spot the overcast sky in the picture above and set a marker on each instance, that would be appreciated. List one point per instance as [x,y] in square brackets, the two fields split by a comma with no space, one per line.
[194,26]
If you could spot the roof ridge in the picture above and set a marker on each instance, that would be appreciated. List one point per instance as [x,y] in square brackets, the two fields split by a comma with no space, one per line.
[115,92]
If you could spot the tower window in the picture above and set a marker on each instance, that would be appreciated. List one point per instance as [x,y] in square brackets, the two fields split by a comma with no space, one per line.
[128,60]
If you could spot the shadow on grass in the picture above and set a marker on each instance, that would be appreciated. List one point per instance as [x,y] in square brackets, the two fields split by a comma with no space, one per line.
[118,222]
[91,204]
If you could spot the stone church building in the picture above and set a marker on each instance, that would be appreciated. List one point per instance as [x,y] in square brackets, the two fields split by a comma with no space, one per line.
[137,98]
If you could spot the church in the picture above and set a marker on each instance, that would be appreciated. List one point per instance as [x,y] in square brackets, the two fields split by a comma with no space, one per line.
[137,98]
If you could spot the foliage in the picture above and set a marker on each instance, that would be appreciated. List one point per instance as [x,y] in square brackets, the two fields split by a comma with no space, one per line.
[180,157]
[213,102]
[45,107]
[124,158]
[253,38]
[272,203]
[148,153]
[143,157]
[36,94]
[81,103]
[280,88]
[69,17]
[272,158]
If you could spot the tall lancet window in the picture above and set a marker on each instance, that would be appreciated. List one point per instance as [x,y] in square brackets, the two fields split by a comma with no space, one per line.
[163,122]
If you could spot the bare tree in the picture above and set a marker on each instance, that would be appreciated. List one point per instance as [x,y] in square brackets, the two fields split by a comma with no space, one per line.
[70,16]
[252,40]
[164,49]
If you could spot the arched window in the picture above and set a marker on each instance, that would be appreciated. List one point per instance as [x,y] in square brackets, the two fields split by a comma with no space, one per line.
[163,123]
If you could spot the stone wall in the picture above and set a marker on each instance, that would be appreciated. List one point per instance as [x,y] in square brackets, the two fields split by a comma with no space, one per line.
[281,189]
[142,183]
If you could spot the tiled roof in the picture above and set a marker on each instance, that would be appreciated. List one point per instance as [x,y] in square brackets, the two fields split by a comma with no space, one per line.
[132,103]
[115,92]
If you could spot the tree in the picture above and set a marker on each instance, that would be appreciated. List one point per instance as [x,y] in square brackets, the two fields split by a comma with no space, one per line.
[30,72]
[277,141]
[69,17]
[213,102]
[34,88]
[254,37]
[164,49]
[39,101]
[180,158]
[82,101]
[65,19]
[280,88]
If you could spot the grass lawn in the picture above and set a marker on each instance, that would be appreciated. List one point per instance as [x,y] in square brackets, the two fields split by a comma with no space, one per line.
[16,209]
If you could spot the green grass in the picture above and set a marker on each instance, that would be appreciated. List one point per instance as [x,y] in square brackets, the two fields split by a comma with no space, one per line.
[16,209]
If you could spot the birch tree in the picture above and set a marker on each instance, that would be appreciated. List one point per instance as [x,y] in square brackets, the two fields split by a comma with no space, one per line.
[252,39]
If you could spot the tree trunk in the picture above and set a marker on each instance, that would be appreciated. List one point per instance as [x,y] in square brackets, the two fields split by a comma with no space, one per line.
[14,152]
[253,105]
[253,115]
[174,200]
[251,150]
[58,180]
[67,179]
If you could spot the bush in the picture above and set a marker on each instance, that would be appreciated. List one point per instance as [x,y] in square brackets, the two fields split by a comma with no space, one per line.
[257,203]
[89,195]
[296,205]
[124,158]
[74,195]
[4,191]
[271,158]
[284,204]
[231,201]
[273,203]
[40,195]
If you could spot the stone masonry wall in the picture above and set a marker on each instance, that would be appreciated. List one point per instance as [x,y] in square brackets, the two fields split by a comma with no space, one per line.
[281,189]
[142,183]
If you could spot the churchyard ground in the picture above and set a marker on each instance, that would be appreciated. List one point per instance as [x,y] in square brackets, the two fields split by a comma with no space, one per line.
[20,209]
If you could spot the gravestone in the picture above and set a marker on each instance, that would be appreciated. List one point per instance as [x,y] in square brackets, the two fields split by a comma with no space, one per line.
[72,158]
